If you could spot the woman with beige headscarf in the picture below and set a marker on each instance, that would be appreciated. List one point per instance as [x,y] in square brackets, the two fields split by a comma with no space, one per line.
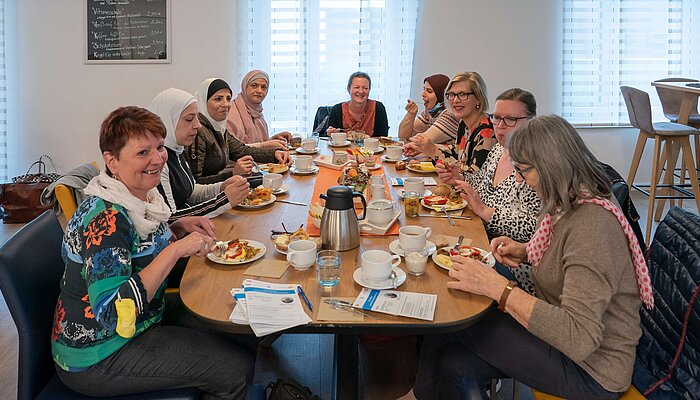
[246,121]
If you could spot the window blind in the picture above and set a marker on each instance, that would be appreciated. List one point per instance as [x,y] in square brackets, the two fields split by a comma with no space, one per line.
[310,47]
[610,43]
[3,97]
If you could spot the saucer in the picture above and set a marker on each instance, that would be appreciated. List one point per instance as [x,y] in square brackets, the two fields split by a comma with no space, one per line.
[301,150]
[378,150]
[347,143]
[385,284]
[426,193]
[293,169]
[282,189]
[386,158]
[395,248]
[376,167]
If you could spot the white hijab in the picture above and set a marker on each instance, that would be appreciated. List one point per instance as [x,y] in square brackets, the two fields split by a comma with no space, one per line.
[201,95]
[168,105]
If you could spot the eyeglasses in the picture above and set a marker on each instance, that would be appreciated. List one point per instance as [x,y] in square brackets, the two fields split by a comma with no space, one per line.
[520,170]
[461,95]
[509,121]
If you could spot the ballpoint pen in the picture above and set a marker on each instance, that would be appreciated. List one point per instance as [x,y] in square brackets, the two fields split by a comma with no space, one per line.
[303,296]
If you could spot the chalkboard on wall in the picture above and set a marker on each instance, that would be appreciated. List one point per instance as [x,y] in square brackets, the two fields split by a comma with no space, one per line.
[127,31]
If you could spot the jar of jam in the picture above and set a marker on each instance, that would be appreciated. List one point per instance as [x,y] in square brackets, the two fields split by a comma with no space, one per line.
[411,204]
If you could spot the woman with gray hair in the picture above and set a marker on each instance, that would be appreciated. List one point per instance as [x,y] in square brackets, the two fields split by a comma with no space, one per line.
[577,337]
[468,100]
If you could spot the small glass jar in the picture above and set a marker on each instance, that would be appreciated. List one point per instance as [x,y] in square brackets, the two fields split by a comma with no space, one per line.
[411,204]
[416,260]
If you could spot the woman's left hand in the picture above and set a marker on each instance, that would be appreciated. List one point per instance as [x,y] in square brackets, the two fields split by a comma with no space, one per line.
[286,136]
[474,277]
[186,225]
[283,157]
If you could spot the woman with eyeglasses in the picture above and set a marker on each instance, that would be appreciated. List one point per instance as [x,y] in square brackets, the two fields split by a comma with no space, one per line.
[360,113]
[468,101]
[577,337]
[504,202]
[438,123]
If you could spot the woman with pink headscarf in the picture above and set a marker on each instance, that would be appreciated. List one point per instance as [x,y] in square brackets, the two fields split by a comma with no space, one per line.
[246,121]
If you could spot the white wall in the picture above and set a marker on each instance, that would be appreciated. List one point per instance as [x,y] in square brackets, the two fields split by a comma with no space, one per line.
[60,102]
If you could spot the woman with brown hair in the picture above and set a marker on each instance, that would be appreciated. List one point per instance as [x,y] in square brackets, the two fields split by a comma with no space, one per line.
[360,112]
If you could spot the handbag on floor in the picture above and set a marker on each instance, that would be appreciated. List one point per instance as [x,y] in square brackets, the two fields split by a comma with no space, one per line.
[21,199]
[289,389]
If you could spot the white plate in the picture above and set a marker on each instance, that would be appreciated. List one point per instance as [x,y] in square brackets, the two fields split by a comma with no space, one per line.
[347,143]
[282,189]
[447,206]
[386,284]
[491,261]
[266,168]
[376,167]
[385,158]
[426,193]
[261,205]
[293,169]
[368,227]
[277,249]
[252,243]
[379,149]
[327,161]
[395,248]
[301,150]
[420,171]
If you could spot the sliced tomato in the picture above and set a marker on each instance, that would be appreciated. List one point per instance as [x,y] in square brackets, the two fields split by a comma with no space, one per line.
[234,250]
[435,200]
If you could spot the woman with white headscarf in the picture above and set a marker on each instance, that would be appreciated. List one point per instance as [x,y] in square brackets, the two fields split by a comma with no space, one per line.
[178,110]
[215,154]
[247,122]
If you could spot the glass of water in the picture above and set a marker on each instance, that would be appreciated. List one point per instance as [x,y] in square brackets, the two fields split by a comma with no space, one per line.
[328,267]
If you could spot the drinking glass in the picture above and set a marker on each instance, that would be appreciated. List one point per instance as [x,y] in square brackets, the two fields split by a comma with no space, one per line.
[328,267]
[416,259]
[359,138]
[411,204]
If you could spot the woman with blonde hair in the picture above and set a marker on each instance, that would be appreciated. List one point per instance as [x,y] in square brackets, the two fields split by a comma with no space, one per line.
[468,100]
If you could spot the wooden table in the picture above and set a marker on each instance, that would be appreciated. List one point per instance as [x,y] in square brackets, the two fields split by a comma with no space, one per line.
[205,287]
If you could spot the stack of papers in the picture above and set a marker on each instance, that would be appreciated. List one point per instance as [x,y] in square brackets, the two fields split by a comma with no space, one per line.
[394,302]
[267,307]
[427,181]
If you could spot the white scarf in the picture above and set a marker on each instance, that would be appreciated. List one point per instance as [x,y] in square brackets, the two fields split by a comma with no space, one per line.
[168,105]
[145,215]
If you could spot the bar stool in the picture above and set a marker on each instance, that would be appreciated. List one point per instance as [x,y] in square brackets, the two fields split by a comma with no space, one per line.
[668,133]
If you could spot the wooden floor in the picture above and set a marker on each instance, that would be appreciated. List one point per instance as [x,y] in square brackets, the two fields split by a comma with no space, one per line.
[388,371]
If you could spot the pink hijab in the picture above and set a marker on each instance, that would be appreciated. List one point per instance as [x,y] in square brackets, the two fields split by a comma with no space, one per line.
[245,120]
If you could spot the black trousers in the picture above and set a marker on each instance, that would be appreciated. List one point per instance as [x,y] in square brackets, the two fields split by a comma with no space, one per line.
[458,365]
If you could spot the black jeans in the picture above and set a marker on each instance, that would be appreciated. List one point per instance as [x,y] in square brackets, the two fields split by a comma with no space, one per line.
[170,357]
[457,365]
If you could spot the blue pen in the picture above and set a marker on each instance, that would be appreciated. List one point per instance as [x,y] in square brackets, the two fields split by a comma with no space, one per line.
[303,296]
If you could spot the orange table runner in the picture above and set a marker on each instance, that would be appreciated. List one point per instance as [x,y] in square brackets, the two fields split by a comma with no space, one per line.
[328,177]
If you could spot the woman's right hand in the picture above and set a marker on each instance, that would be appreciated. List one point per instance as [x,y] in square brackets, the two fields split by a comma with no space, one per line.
[422,144]
[236,189]
[274,144]
[331,130]
[243,165]
[411,107]
[447,174]
[511,253]
[194,244]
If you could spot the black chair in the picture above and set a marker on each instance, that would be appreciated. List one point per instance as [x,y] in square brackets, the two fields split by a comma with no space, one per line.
[30,270]
[622,194]
[323,114]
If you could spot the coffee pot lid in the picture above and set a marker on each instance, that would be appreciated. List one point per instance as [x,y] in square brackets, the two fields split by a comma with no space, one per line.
[338,198]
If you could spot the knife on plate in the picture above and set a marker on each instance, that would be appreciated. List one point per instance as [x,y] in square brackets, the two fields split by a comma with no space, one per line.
[296,203]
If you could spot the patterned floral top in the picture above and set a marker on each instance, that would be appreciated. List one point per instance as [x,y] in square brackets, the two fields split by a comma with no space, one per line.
[103,254]
[515,205]
[470,148]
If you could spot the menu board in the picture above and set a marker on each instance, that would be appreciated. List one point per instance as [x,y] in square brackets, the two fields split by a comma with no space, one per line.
[127,31]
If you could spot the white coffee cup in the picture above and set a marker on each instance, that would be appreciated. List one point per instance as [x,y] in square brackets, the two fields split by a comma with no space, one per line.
[272,181]
[303,163]
[380,211]
[394,152]
[301,254]
[414,185]
[371,144]
[413,236]
[308,144]
[377,265]
[339,157]
[339,138]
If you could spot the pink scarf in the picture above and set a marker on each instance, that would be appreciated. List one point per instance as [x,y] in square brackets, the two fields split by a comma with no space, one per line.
[245,120]
[542,238]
